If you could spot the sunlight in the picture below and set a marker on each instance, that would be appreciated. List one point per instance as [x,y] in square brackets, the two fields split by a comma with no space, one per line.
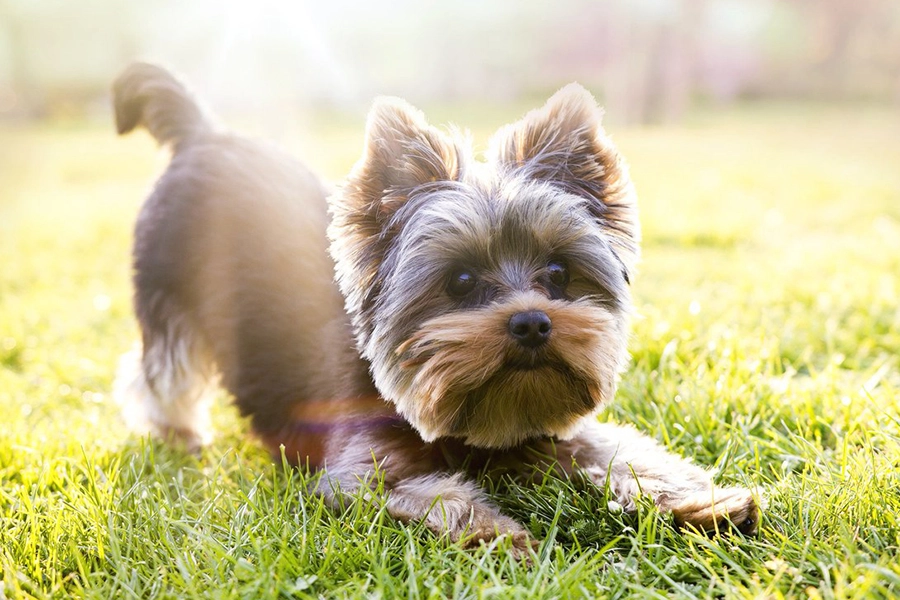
[273,49]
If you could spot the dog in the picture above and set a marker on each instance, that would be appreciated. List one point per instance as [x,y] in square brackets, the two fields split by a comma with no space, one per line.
[434,316]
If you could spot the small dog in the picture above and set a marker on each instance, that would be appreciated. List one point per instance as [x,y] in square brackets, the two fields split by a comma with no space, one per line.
[481,316]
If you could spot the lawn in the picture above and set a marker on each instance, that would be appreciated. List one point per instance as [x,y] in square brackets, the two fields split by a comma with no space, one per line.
[766,346]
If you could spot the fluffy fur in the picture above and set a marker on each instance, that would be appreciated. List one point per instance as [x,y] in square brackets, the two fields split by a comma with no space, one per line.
[488,303]
[231,274]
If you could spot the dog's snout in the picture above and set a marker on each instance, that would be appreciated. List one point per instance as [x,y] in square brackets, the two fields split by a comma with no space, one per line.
[531,328]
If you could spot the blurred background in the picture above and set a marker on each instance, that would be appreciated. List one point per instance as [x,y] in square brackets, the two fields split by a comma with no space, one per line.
[648,61]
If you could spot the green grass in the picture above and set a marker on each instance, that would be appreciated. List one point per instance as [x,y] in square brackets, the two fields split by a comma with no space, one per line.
[766,347]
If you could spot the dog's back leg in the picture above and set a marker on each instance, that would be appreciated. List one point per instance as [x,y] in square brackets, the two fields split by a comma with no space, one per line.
[166,386]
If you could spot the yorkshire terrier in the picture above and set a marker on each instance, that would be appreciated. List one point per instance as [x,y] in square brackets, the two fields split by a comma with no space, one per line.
[488,303]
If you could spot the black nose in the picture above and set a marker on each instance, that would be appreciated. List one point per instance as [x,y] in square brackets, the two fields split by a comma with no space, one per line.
[531,329]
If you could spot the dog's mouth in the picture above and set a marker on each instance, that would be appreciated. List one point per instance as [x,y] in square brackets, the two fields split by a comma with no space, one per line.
[525,360]
[530,360]
[527,399]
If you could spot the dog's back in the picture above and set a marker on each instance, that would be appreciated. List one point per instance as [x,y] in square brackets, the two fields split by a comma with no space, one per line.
[232,273]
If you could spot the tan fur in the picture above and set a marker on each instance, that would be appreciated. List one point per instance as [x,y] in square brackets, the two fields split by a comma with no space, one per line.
[470,394]
[232,277]
[459,353]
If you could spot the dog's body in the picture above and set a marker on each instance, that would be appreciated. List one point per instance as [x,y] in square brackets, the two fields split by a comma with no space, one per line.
[490,301]
[230,261]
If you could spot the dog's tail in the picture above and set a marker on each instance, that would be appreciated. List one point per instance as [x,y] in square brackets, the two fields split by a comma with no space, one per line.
[148,95]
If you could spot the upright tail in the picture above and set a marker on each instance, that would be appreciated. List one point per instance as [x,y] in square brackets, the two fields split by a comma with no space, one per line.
[148,95]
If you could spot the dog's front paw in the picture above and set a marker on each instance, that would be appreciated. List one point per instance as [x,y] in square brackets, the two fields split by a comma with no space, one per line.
[719,510]
[456,509]
[486,524]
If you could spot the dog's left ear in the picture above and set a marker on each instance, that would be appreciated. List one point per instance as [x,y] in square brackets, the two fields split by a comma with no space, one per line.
[563,143]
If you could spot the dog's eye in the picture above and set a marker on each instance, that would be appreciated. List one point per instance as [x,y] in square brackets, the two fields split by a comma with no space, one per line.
[461,283]
[558,273]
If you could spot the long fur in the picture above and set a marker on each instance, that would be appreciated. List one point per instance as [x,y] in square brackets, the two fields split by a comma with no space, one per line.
[388,371]
[464,386]
[555,188]
[231,274]
[415,210]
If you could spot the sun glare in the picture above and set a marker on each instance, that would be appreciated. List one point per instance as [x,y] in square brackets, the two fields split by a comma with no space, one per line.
[271,49]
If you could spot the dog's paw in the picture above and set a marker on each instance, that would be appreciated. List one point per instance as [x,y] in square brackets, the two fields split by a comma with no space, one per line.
[456,510]
[486,525]
[719,510]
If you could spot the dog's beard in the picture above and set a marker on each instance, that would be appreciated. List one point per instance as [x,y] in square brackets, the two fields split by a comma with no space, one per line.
[464,376]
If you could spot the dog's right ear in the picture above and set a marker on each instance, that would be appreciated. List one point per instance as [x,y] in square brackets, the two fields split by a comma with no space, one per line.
[402,151]
[402,155]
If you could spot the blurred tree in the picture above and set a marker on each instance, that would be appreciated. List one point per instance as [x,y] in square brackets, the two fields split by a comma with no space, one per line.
[14,74]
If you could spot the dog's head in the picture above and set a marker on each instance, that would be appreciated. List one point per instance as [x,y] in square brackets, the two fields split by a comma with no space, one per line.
[490,298]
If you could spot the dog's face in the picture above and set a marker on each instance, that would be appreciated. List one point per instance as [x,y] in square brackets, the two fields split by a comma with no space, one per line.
[490,298]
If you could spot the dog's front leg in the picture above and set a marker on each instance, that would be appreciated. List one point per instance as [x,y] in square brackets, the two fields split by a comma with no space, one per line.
[418,487]
[631,463]
[453,506]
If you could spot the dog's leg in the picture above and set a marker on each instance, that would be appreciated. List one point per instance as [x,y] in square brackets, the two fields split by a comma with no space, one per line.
[452,505]
[419,489]
[631,463]
[165,386]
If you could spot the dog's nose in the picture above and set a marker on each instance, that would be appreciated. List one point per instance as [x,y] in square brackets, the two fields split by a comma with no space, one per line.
[530,329]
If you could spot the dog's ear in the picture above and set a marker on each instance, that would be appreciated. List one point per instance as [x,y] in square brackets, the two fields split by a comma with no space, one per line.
[563,143]
[402,151]
[402,155]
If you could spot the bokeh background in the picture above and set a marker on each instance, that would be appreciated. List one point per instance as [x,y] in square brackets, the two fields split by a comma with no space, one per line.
[649,61]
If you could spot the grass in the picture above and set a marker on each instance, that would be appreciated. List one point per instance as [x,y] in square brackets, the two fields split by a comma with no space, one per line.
[766,347]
